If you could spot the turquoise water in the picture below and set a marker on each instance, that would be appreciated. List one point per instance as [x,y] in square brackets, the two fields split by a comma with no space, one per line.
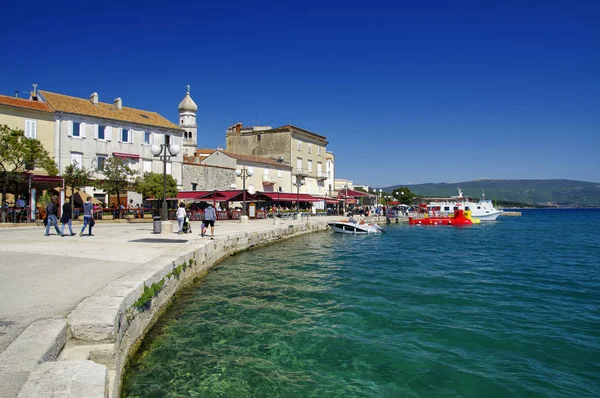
[504,309]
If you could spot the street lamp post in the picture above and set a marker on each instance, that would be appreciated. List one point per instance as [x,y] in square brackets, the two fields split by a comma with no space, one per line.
[164,152]
[345,196]
[244,173]
[299,182]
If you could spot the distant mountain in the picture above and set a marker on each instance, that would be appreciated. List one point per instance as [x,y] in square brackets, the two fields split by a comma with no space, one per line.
[564,193]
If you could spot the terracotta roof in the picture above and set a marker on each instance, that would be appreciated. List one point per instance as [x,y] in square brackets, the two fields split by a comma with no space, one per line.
[25,104]
[256,159]
[82,106]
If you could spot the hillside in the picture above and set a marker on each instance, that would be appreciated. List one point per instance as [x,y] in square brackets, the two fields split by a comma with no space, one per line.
[565,193]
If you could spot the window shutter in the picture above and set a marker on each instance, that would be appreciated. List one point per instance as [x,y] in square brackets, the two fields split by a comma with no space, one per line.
[34,129]
[82,130]
[70,128]
[95,131]
[130,136]
[108,133]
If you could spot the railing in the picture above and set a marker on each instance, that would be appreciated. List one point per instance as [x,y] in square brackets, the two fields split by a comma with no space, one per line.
[322,175]
[301,172]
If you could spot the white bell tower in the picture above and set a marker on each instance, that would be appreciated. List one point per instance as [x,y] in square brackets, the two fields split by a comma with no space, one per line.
[187,122]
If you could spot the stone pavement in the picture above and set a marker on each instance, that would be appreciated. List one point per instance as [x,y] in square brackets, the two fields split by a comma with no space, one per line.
[45,277]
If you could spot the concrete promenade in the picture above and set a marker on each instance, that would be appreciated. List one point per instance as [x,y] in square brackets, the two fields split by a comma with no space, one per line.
[46,279]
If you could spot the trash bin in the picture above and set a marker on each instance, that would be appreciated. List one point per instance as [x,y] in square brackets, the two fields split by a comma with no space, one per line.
[156,224]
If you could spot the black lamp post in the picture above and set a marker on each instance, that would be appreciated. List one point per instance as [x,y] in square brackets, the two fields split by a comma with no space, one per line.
[299,182]
[244,173]
[164,152]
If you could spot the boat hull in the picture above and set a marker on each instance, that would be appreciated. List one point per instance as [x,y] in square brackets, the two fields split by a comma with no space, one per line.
[354,229]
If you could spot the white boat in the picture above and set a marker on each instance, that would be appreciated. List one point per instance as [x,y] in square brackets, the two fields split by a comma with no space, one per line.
[352,226]
[483,209]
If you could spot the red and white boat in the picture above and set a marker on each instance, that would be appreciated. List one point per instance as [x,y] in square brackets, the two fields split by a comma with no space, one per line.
[458,219]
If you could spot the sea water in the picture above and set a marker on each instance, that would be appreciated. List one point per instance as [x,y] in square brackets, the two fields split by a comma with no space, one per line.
[501,309]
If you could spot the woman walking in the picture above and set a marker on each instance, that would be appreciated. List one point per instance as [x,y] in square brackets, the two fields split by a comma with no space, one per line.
[181,213]
[65,218]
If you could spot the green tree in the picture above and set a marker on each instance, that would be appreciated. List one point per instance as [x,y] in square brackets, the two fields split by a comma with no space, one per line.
[76,178]
[151,186]
[118,177]
[404,195]
[19,155]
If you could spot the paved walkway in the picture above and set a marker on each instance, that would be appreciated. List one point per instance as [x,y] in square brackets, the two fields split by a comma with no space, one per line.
[48,276]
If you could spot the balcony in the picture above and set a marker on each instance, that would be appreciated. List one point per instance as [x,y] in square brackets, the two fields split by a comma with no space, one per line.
[301,172]
[322,175]
[268,180]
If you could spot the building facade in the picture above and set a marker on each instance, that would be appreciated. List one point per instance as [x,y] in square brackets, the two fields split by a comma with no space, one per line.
[268,175]
[88,132]
[301,149]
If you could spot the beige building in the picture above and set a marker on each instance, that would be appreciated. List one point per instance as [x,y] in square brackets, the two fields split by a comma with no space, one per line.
[268,175]
[301,149]
[36,119]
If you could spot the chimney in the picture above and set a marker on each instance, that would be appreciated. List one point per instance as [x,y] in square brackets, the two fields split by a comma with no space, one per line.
[94,99]
[118,103]
[238,127]
[34,93]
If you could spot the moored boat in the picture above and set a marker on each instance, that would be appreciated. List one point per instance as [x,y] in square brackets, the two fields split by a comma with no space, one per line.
[351,226]
[483,209]
[458,219]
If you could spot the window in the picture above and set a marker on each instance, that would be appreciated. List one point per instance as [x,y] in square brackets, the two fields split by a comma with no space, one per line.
[30,128]
[266,172]
[100,162]
[319,150]
[299,163]
[76,131]
[299,145]
[147,138]
[169,168]
[147,166]
[167,140]
[258,137]
[125,135]
[309,148]
[279,173]
[194,186]
[101,132]
[77,159]
[309,165]
[319,167]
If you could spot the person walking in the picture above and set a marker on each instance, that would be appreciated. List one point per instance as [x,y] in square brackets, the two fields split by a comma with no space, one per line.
[210,215]
[181,213]
[88,217]
[65,218]
[52,211]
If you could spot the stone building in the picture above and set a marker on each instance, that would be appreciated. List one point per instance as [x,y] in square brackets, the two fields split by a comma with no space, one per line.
[301,149]
[268,175]
[206,177]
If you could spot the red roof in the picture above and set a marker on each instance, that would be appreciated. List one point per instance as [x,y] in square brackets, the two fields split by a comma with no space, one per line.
[25,104]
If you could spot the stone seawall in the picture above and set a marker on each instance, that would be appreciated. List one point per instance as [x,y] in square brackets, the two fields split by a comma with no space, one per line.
[105,329]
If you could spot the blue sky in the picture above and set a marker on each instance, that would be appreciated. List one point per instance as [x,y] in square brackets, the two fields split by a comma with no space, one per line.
[405,92]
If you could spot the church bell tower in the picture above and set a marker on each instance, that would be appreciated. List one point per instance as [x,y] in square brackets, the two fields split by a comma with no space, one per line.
[187,122]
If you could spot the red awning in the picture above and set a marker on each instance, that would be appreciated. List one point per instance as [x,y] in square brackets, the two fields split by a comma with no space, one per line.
[190,194]
[38,178]
[332,201]
[126,155]
[287,197]
[235,195]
